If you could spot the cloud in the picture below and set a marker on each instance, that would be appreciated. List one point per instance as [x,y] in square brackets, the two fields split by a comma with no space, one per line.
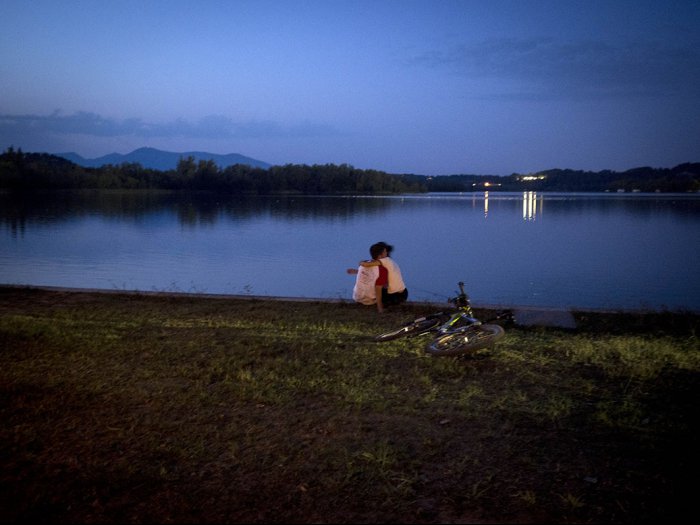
[546,68]
[210,127]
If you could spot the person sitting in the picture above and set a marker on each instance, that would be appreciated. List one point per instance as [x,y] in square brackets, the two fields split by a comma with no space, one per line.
[389,287]
[364,291]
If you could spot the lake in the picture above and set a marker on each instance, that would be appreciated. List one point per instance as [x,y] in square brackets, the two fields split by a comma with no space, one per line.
[627,251]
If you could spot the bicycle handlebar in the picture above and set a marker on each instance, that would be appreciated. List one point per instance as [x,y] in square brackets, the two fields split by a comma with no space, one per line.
[462,299]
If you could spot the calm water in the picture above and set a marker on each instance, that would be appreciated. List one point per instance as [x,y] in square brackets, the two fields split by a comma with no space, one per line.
[621,251]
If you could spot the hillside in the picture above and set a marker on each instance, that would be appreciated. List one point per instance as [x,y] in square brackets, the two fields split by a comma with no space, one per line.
[162,160]
[681,178]
[236,174]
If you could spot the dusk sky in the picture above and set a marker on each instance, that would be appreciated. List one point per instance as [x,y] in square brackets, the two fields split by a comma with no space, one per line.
[428,87]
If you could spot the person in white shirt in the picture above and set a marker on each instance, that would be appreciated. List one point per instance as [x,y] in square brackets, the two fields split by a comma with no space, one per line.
[364,291]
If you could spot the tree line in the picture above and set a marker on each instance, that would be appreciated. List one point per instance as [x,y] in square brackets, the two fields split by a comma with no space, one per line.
[680,179]
[41,171]
[21,171]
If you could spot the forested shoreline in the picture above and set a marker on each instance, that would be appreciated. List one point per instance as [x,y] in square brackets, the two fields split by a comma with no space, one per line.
[20,171]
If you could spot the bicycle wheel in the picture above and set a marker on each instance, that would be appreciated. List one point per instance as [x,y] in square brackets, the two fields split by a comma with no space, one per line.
[465,340]
[419,326]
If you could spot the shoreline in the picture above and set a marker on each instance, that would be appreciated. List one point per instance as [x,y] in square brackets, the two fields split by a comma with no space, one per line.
[435,304]
[524,316]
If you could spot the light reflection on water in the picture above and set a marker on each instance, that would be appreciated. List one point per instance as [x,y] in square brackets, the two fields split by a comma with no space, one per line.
[625,251]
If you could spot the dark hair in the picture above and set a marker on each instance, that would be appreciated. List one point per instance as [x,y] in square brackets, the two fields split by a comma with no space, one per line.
[388,247]
[376,250]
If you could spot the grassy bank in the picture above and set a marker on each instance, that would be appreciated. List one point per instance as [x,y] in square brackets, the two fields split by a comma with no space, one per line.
[133,408]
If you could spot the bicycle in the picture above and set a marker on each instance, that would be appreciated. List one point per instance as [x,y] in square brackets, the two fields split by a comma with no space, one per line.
[457,332]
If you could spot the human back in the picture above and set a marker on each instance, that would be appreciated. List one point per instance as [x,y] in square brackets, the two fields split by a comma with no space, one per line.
[396,283]
[364,290]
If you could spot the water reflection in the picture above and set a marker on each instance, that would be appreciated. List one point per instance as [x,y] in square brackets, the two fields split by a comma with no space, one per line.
[17,212]
[530,205]
[602,250]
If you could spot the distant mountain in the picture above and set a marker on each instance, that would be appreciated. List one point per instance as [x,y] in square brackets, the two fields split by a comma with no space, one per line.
[162,160]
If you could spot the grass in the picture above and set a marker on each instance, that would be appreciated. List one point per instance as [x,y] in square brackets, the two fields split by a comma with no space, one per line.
[135,408]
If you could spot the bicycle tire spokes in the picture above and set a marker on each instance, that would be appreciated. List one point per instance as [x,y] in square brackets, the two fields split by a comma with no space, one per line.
[465,340]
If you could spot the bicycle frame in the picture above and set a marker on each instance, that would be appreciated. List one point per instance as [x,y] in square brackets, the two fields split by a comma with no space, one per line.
[463,303]
[454,322]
